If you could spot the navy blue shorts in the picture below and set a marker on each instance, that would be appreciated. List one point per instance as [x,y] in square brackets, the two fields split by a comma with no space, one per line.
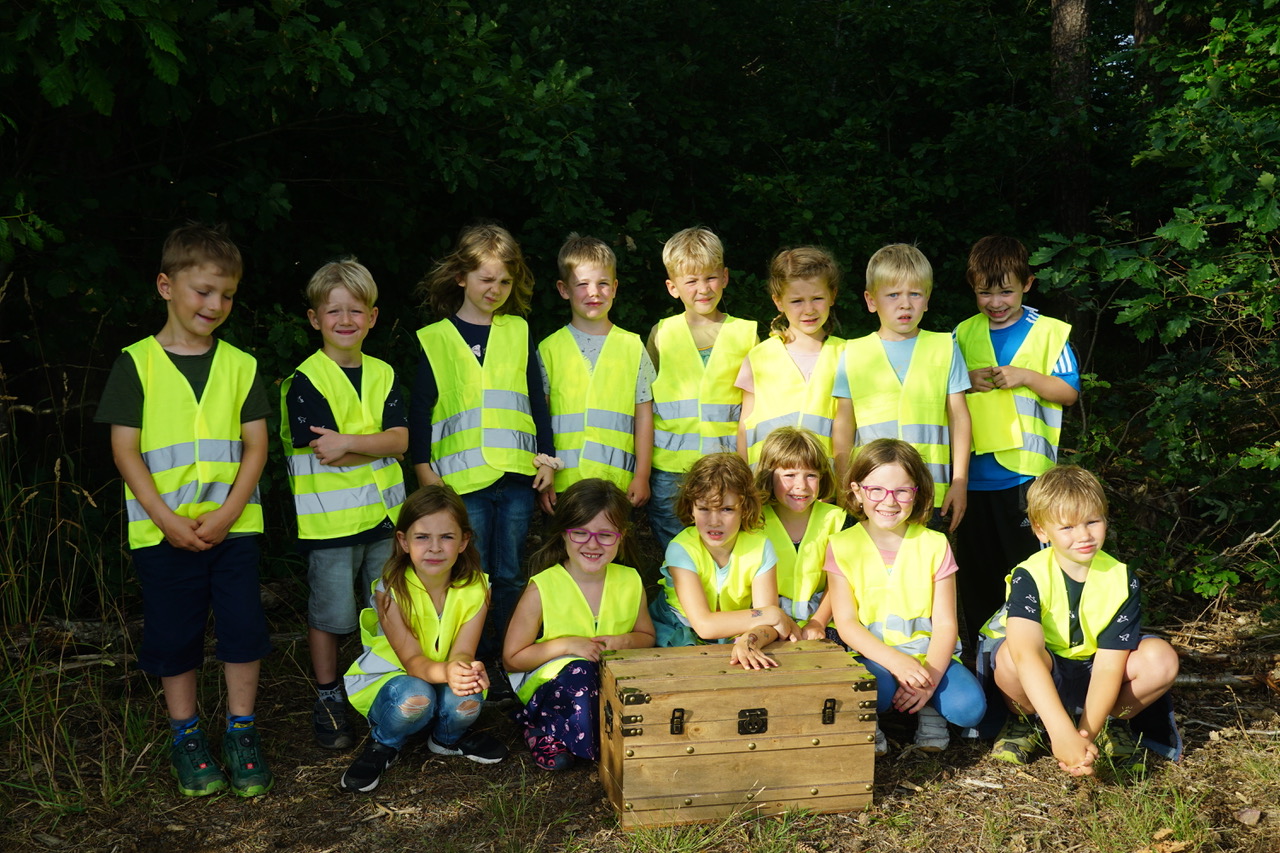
[1070,676]
[180,588]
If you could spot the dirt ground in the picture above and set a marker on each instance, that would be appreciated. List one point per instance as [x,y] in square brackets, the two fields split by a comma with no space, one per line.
[1223,796]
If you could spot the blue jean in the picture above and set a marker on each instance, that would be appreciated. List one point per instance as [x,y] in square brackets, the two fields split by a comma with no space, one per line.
[959,697]
[663,488]
[406,705]
[500,515]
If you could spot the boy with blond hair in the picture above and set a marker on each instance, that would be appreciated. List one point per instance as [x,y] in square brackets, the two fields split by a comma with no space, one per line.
[603,423]
[1069,638]
[1023,372]
[697,354]
[344,427]
[901,382]
[189,436]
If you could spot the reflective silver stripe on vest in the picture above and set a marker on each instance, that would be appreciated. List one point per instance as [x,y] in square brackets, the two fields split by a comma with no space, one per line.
[512,400]
[939,471]
[816,423]
[338,500]
[459,422]
[925,434]
[570,458]
[760,430]
[1034,409]
[676,441]
[473,457]
[306,463]
[189,493]
[395,495]
[868,433]
[723,444]
[561,424]
[1040,445]
[185,453]
[455,463]
[801,609]
[906,628]
[616,421]
[613,457]
[673,409]
[721,413]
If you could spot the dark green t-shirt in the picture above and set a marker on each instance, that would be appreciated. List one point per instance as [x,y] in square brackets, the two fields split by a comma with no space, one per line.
[121,401]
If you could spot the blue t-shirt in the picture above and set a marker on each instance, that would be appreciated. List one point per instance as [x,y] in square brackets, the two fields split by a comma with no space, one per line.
[899,353]
[677,556]
[985,473]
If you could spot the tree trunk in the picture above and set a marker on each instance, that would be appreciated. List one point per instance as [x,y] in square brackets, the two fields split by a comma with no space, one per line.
[1070,80]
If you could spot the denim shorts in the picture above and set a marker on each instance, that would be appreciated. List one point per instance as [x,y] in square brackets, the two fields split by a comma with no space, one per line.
[180,589]
[340,580]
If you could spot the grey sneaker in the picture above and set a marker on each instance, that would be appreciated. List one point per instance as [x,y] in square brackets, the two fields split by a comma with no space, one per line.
[882,742]
[931,730]
[329,722]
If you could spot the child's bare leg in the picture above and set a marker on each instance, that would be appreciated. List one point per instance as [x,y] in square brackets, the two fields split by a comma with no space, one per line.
[1148,675]
[324,654]
[1010,683]
[242,687]
[180,695]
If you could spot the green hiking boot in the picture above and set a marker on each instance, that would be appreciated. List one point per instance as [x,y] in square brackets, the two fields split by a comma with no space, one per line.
[250,775]
[1018,741]
[194,768]
[1116,743]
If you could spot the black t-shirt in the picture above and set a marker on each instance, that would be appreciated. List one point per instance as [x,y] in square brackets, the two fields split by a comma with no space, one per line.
[122,398]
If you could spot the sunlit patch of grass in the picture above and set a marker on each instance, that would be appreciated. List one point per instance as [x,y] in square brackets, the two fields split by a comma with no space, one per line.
[1124,818]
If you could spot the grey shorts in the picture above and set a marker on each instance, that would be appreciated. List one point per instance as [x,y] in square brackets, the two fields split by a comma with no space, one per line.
[340,580]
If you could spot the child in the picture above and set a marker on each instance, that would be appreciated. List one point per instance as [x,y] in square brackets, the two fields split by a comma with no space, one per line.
[900,382]
[1069,639]
[579,604]
[189,436]
[697,355]
[795,475]
[893,592]
[344,427]
[473,423]
[719,579]
[787,380]
[1023,372]
[418,668]
[603,424]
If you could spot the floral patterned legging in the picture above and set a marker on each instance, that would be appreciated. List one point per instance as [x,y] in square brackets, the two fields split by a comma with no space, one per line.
[565,708]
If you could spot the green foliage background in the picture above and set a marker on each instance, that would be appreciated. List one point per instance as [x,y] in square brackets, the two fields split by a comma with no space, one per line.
[319,128]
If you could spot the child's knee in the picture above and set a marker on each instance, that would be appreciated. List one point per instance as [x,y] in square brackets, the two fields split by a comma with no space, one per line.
[469,708]
[413,707]
[1156,660]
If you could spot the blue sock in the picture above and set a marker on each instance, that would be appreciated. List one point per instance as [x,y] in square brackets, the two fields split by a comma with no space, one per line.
[183,729]
[235,723]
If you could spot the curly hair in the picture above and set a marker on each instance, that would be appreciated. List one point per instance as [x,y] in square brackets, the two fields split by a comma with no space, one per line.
[711,478]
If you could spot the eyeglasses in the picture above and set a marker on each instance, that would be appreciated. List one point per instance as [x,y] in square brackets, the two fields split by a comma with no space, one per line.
[581,536]
[905,495]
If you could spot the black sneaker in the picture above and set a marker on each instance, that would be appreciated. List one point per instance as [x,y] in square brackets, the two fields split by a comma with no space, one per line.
[329,722]
[500,694]
[365,772]
[479,747]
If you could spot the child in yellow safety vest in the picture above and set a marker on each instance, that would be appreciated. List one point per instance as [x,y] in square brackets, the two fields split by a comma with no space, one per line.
[598,381]
[787,380]
[719,580]
[476,419]
[892,586]
[795,476]
[189,435]
[697,354]
[418,668]
[901,382]
[344,427]
[579,604]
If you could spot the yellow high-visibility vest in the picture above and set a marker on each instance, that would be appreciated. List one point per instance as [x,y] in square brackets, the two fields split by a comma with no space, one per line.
[801,579]
[593,410]
[896,606]
[782,398]
[1017,425]
[482,423]
[333,502]
[745,560]
[914,409]
[696,407]
[191,447]
[566,613]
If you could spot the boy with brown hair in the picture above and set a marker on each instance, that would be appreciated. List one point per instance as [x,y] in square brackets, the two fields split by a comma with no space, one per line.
[189,436]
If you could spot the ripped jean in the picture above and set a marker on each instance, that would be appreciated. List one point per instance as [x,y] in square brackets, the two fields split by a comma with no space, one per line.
[406,705]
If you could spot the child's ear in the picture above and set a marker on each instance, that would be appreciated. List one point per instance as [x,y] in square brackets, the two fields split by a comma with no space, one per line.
[373,316]
[314,318]
[165,285]
[1040,534]
[1031,279]
[562,289]
[870,299]
[466,540]
[671,288]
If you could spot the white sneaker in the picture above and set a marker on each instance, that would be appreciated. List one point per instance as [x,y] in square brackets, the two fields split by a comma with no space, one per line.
[931,730]
[882,743]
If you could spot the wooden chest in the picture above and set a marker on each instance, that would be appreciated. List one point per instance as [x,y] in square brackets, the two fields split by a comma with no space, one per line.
[685,737]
